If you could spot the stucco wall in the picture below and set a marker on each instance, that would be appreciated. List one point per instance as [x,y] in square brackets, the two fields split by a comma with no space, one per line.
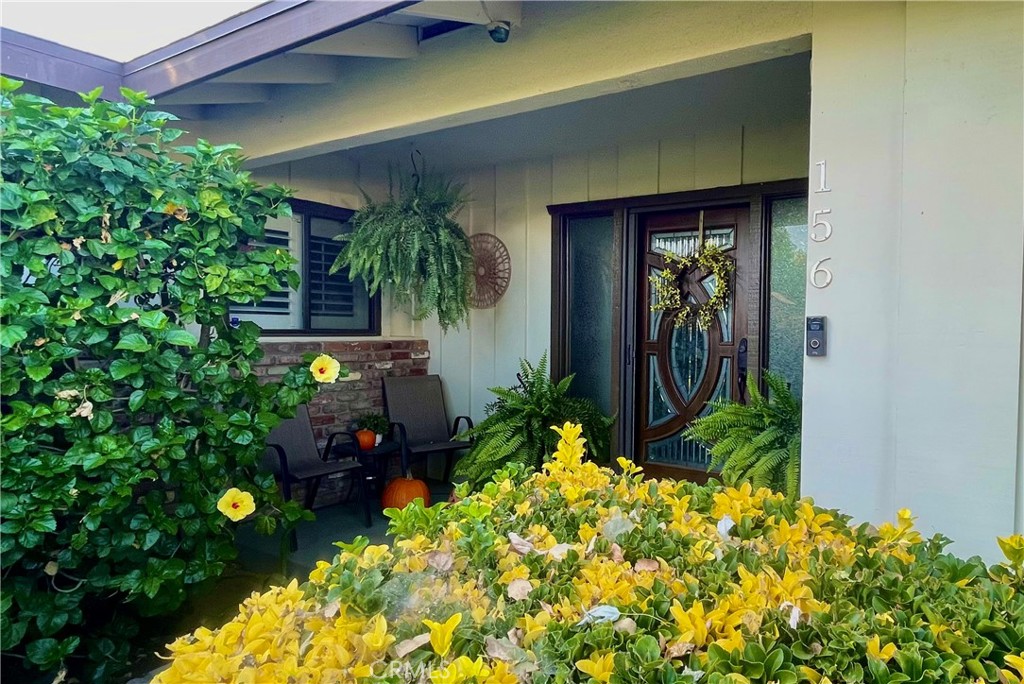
[563,52]
[917,110]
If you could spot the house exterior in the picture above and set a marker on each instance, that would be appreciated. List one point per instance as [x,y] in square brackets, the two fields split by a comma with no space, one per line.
[861,162]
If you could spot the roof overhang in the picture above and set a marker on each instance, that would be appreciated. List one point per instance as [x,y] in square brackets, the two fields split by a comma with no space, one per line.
[267,30]
[33,59]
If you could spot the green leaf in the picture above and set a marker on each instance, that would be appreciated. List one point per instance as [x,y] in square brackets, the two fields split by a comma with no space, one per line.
[181,338]
[152,537]
[239,436]
[51,623]
[38,373]
[136,400]
[10,196]
[11,335]
[92,461]
[44,652]
[92,96]
[134,342]
[154,320]
[122,368]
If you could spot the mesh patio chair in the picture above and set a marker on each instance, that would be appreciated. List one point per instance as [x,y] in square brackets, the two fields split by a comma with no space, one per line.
[415,407]
[299,460]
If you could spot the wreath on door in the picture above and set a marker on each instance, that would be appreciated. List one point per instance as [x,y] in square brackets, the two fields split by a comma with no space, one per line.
[667,285]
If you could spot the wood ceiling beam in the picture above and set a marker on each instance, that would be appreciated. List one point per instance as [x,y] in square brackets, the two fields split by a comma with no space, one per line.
[367,40]
[468,12]
[287,29]
[288,68]
[218,93]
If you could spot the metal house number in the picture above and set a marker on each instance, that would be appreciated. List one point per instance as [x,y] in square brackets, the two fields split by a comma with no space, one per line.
[820,276]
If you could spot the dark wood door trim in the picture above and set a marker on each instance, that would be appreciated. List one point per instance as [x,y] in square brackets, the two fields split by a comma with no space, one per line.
[625,213]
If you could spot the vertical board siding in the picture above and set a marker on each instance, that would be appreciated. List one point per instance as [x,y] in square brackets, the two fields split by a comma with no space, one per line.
[638,169]
[537,273]
[602,173]
[676,160]
[718,158]
[481,325]
[770,153]
[511,201]
[569,178]
[455,346]
[511,226]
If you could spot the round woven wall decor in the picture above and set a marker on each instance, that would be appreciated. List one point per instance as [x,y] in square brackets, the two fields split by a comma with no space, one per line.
[492,270]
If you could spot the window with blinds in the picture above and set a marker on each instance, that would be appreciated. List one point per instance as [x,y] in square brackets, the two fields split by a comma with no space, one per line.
[324,302]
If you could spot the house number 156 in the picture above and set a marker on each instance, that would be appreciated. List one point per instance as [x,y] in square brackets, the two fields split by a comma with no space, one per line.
[820,276]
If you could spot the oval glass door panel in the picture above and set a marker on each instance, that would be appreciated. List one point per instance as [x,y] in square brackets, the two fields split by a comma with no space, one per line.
[687,367]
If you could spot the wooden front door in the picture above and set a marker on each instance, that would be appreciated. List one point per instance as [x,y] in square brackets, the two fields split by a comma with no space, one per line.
[681,369]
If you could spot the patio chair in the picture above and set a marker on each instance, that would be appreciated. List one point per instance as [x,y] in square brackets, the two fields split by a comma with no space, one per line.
[415,406]
[299,460]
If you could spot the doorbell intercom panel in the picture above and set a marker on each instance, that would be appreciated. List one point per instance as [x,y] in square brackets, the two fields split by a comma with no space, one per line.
[817,338]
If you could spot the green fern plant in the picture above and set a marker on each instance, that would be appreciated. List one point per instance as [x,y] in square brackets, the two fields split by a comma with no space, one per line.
[518,424]
[756,442]
[412,242]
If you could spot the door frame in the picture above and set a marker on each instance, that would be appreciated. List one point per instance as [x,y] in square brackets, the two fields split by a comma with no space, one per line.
[625,213]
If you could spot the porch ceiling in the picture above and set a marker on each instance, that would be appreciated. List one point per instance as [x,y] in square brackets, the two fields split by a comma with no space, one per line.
[771,92]
[276,43]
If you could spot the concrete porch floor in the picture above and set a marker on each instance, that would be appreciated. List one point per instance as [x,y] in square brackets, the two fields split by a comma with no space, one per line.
[336,521]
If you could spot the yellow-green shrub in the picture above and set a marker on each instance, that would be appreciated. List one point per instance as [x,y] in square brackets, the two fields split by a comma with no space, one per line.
[578,574]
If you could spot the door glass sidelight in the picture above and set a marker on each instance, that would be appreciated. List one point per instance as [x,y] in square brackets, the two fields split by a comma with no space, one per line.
[591,263]
[787,283]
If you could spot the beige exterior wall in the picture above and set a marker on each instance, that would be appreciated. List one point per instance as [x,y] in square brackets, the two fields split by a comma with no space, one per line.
[917,110]
[563,52]
[335,180]
[511,201]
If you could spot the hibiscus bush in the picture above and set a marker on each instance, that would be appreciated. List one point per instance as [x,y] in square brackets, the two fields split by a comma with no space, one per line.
[579,574]
[129,402]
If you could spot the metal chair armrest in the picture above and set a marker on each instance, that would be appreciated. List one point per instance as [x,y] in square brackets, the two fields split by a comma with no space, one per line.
[286,476]
[459,419]
[326,454]
[403,444]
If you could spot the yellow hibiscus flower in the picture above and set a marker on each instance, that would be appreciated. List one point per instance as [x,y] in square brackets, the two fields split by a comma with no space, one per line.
[236,504]
[325,368]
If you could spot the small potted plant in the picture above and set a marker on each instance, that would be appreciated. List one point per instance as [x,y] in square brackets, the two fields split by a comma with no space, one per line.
[372,428]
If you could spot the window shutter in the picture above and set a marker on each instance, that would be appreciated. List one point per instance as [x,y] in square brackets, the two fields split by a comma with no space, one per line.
[329,295]
[278,310]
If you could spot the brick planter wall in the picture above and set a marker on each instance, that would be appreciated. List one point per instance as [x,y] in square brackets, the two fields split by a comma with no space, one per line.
[337,405]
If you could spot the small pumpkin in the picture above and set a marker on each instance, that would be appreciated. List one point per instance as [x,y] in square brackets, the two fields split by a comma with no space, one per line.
[402,491]
[367,439]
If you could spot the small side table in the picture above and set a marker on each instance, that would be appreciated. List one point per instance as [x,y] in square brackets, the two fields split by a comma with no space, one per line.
[375,460]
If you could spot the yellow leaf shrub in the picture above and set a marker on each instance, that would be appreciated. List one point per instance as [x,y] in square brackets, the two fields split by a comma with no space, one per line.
[579,574]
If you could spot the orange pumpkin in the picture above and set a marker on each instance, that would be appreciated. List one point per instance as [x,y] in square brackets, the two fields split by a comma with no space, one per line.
[403,490]
[367,439]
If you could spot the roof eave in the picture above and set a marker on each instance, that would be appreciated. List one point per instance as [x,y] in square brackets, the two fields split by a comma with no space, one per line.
[42,61]
[264,31]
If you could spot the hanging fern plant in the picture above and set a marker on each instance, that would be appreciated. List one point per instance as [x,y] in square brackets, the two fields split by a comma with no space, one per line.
[411,242]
